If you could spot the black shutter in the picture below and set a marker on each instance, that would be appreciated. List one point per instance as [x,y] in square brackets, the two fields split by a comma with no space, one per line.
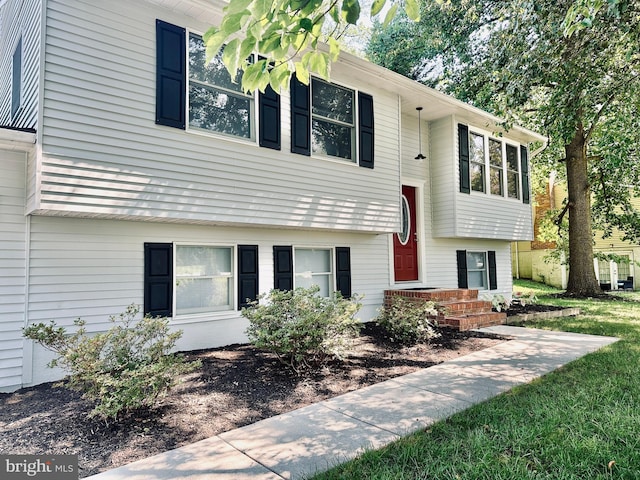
[269,113]
[247,274]
[283,268]
[300,117]
[493,273]
[158,279]
[365,125]
[463,156]
[343,271]
[16,78]
[171,79]
[461,256]
[524,160]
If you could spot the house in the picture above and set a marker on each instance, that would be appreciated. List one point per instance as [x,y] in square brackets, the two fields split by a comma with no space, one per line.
[615,259]
[133,173]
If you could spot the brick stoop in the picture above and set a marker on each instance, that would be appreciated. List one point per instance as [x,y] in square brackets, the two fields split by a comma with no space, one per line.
[461,308]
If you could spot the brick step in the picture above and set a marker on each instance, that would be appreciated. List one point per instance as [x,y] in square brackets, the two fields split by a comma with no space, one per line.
[477,320]
[435,294]
[465,307]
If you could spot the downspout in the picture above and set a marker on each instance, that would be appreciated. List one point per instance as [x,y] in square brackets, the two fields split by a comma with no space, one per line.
[27,345]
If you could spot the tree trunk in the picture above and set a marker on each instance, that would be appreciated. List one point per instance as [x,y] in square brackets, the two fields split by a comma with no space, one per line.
[582,276]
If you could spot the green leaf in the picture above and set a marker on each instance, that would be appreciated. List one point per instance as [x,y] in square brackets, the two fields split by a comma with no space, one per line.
[587,22]
[312,6]
[269,44]
[302,73]
[306,24]
[279,77]
[334,49]
[351,11]
[236,6]
[318,62]
[377,6]
[233,23]
[390,14]
[247,47]
[335,13]
[413,10]
[259,8]
[214,43]
[256,77]
[230,56]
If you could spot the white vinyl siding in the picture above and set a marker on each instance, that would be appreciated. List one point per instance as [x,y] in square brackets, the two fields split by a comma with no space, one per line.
[475,215]
[91,268]
[12,267]
[103,155]
[20,19]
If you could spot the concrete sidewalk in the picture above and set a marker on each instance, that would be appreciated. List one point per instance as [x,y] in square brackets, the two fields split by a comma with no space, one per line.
[317,437]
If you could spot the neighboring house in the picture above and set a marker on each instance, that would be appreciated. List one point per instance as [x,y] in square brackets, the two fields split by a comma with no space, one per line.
[130,172]
[531,260]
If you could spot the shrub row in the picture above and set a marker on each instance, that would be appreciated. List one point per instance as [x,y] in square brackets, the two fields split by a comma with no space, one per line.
[131,365]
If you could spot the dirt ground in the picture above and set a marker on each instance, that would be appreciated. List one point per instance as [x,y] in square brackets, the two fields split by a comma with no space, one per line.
[236,386]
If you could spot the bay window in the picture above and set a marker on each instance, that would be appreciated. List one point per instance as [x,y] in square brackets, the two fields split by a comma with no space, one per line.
[492,166]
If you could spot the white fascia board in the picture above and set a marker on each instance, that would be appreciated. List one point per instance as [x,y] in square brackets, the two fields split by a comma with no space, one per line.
[416,93]
[16,140]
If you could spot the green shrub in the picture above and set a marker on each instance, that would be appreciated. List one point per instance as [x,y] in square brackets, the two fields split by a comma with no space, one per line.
[303,329]
[407,321]
[123,369]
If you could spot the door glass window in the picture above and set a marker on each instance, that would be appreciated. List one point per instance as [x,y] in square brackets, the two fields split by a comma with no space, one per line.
[403,235]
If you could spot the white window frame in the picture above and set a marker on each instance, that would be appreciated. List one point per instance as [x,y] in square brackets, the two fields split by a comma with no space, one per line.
[488,167]
[331,274]
[233,275]
[473,161]
[516,171]
[353,126]
[497,168]
[485,270]
[253,110]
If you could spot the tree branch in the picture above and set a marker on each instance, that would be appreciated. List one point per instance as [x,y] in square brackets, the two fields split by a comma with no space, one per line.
[560,217]
[599,114]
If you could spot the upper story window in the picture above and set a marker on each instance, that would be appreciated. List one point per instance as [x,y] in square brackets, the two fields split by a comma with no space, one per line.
[476,157]
[333,121]
[493,166]
[16,79]
[216,101]
[496,167]
[513,172]
[204,96]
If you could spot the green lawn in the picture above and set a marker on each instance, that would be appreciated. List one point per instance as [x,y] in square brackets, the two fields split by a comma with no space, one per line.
[571,424]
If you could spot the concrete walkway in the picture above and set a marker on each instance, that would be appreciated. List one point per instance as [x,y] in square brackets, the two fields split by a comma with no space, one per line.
[317,437]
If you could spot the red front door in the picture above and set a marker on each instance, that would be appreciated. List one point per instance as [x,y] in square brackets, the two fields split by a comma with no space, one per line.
[405,242]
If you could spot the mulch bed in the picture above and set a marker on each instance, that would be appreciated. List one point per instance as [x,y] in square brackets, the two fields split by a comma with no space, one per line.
[516,309]
[236,386]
